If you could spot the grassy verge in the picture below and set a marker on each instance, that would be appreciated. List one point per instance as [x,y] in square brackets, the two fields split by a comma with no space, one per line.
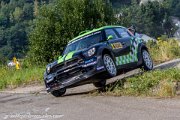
[11,78]
[154,83]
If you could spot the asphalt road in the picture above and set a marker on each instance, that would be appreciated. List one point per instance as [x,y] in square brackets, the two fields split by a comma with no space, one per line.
[86,107]
[78,104]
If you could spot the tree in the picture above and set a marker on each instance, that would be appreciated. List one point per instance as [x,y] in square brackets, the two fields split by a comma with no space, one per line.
[35,7]
[16,18]
[57,24]
[169,27]
[173,7]
[17,14]
[148,18]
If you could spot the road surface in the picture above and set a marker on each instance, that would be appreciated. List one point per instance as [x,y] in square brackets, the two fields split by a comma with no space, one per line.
[78,104]
[86,107]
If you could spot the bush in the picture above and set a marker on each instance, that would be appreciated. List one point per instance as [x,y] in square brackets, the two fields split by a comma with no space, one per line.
[164,50]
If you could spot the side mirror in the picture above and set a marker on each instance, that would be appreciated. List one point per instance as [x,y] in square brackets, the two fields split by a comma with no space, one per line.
[110,37]
[132,29]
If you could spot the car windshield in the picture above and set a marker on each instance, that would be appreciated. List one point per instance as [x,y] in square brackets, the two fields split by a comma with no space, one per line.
[83,42]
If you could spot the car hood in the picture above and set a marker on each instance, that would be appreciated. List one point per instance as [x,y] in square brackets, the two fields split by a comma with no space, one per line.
[70,55]
[66,57]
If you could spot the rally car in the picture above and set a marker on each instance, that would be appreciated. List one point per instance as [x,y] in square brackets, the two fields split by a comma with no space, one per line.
[94,56]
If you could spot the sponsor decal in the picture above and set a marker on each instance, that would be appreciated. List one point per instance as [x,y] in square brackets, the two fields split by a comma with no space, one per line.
[89,64]
[89,61]
[117,45]
[100,68]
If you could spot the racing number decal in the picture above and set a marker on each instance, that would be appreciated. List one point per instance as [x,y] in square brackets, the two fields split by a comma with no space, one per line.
[117,45]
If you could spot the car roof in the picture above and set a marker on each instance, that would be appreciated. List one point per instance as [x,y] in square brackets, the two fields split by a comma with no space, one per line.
[92,31]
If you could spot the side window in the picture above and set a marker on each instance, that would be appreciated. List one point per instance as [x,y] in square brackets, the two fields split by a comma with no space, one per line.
[111,32]
[122,32]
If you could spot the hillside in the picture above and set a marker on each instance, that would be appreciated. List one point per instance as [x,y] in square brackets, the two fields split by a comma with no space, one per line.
[16,21]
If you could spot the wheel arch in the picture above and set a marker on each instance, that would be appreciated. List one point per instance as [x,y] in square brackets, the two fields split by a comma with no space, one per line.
[141,47]
[109,52]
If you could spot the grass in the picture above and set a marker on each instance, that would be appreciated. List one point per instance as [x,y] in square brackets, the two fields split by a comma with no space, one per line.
[11,78]
[155,83]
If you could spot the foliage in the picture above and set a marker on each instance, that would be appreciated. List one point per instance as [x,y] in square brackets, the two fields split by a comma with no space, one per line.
[164,50]
[173,6]
[151,18]
[120,3]
[57,24]
[16,18]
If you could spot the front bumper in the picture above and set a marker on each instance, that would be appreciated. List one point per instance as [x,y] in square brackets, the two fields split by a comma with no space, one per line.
[73,75]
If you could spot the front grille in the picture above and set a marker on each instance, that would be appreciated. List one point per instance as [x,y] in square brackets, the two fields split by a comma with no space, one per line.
[63,76]
[66,64]
[68,69]
[76,60]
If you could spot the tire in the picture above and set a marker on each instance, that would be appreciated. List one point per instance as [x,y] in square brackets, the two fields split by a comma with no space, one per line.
[147,64]
[100,84]
[109,65]
[58,93]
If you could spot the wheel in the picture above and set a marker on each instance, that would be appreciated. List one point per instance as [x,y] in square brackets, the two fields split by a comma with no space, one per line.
[58,93]
[147,61]
[100,84]
[109,65]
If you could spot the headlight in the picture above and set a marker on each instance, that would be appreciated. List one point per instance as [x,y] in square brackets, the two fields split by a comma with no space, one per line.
[48,69]
[91,52]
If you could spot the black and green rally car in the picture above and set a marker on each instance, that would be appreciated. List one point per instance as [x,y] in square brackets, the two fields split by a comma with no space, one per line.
[94,56]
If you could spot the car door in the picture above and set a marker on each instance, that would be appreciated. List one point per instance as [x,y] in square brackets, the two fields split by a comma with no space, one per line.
[119,45]
[129,58]
[125,39]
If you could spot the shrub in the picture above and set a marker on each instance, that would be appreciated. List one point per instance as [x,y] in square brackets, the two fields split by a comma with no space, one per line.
[164,50]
